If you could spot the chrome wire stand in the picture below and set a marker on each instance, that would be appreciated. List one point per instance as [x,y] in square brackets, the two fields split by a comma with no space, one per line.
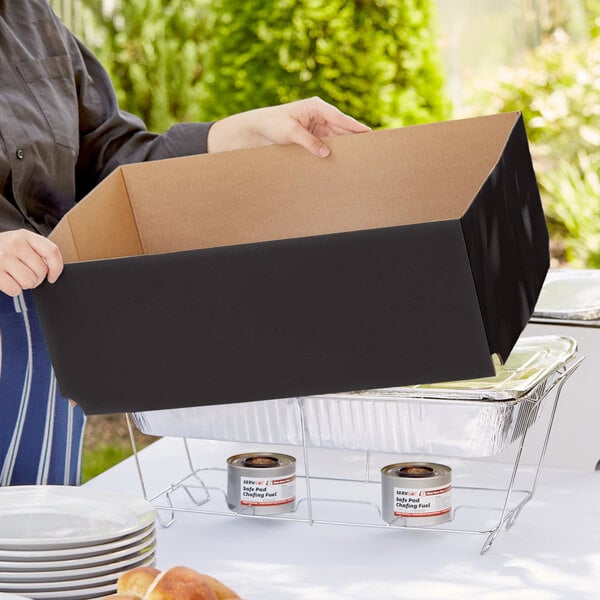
[199,497]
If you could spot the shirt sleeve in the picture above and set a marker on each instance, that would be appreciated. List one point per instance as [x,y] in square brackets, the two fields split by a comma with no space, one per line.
[109,136]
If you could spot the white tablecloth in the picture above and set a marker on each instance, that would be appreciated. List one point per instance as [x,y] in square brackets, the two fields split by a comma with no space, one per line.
[552,552]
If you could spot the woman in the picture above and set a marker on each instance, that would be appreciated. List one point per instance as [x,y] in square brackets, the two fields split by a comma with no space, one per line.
[62,132]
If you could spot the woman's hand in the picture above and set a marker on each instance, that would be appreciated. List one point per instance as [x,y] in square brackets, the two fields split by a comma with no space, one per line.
[302,122]
[26,259]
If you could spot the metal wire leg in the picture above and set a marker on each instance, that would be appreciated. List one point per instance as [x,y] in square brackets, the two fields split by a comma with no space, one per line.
[515,512]
[561,382]
[490,539]
[135,455]
[306,466]
[141,477]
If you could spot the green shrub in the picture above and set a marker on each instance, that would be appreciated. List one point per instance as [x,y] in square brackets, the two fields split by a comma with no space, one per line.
[374,60]
[557,88]
[592,13]
[153,50]
[575,188]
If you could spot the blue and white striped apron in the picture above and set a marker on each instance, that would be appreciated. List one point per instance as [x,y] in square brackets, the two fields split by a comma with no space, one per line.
[41,434]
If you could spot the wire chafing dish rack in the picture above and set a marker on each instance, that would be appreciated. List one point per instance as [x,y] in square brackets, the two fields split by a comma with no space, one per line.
[461,423]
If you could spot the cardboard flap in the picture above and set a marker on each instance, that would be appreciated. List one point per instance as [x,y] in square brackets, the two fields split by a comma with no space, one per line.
[418,174]
[102,225]
[62,236]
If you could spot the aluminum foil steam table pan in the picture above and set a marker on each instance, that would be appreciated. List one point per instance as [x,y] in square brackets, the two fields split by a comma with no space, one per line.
[478,417]
[570,296]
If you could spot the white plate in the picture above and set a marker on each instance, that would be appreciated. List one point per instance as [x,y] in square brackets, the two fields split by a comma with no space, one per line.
[12,597]
[95,592]
[78,586]
[77,573]
[60,554]
[50,517]
[77,563]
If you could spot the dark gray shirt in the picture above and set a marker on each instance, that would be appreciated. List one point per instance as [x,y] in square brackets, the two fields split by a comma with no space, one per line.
[61,130]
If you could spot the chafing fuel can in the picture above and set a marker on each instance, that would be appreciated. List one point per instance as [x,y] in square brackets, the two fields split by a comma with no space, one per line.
[416,494]
[261,483]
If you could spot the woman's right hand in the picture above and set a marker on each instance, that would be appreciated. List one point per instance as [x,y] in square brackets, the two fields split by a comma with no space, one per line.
[26,259]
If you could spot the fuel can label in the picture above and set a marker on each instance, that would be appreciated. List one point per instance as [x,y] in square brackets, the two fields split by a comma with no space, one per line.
[425,502]
[258,491]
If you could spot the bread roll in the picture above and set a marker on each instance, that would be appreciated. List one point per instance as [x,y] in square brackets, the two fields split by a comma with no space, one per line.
[222,592]
[135,582]
[180,583]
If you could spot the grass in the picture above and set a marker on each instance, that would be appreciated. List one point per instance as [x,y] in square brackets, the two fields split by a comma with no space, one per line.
[106,442]
[101,458]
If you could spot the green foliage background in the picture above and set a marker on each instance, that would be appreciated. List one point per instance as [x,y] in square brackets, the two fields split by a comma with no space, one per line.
[374,60]
[184,60]
[592,12]
[154,51]
[557,86]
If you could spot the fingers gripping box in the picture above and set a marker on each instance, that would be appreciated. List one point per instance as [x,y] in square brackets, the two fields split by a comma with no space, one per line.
[407,256]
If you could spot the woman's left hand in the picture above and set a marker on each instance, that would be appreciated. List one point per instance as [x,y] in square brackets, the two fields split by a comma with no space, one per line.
[302,122]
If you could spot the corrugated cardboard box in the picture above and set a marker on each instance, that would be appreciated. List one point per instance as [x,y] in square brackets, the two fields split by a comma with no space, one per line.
[406,256]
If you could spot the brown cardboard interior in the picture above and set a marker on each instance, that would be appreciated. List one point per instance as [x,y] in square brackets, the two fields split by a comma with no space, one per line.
[410,175]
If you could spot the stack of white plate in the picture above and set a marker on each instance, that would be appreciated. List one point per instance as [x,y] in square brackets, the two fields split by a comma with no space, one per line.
[71,542]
